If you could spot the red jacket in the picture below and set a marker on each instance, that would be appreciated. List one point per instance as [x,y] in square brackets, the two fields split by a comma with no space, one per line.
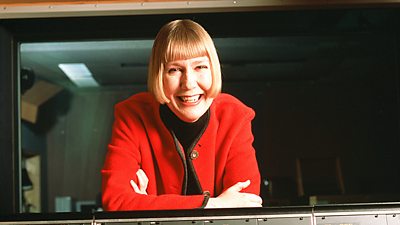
[141,140]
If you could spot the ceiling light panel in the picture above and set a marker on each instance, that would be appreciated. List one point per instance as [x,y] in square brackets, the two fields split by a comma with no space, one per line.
[79,74]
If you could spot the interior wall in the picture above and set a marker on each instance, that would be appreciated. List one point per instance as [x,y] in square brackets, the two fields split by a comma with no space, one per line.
[77,143]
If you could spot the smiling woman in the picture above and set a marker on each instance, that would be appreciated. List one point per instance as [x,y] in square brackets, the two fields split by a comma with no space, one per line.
[183,144]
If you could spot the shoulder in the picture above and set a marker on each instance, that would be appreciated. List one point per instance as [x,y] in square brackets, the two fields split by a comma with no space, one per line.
[139,102]
[142,97]
[226,104]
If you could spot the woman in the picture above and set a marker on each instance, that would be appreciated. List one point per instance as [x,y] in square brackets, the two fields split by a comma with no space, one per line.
[183,144]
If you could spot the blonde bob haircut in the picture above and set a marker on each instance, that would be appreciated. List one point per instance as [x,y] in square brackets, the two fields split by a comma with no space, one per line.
[177,40]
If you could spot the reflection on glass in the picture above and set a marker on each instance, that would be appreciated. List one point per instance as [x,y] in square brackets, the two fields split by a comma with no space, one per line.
[67,123]
[315,97]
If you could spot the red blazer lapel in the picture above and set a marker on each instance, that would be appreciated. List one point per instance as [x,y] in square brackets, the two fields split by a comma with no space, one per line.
[168,161]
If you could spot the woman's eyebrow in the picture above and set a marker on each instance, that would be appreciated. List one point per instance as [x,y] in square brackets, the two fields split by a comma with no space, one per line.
[201,61]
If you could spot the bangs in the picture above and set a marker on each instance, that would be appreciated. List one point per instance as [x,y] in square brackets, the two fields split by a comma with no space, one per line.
[185,46]
[181,40]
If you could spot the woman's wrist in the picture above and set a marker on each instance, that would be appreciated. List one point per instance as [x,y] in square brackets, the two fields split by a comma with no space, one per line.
[206,200]
[212,203]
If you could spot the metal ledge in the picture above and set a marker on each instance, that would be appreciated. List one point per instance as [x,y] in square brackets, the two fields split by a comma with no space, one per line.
[9,11]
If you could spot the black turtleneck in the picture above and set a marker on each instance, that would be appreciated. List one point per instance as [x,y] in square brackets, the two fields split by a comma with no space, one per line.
[187,134]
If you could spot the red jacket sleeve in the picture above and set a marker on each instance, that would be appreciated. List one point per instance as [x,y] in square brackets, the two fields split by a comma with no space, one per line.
[241,163]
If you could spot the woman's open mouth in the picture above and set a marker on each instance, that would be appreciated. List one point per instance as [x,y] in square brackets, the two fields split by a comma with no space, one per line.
[190,99]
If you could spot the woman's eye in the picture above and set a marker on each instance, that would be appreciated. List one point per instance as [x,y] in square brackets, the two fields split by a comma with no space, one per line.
[173,70]
[202,67]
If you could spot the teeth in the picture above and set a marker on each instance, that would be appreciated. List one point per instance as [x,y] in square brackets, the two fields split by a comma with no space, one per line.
[190,98]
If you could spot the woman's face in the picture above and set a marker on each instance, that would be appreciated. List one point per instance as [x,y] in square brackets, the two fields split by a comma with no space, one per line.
[186,84]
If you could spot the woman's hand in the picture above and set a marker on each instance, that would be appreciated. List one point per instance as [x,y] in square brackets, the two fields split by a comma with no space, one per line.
[143,181]
[232,197]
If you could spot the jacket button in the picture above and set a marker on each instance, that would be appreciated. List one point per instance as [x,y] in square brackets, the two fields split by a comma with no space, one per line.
[194,154]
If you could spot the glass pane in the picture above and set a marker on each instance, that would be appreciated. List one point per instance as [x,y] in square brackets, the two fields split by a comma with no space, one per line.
[315,97]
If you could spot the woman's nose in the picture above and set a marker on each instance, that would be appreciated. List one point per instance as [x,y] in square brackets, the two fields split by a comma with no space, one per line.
[188,80]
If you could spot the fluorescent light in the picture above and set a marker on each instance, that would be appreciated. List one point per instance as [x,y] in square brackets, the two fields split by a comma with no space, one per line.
[79,74]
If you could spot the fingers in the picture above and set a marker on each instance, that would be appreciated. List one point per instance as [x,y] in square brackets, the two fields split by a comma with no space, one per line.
[240,186]
[135,187]
[143,181]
